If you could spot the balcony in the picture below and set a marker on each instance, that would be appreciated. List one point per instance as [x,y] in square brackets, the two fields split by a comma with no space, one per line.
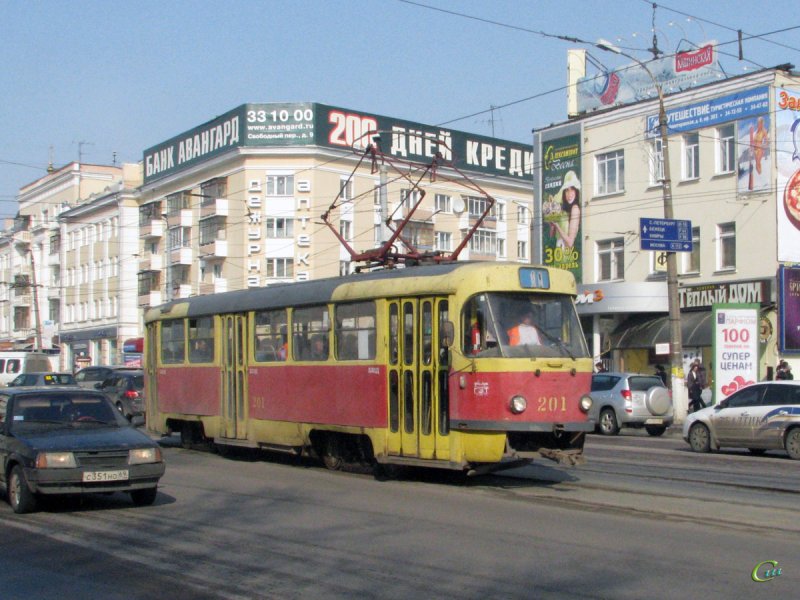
[181,218]
[183,290]
[152,229]
[216,207]
[215,287]
[22,238]
[151,262]
[181,256]
[215,249]
[54,259]
[152,298]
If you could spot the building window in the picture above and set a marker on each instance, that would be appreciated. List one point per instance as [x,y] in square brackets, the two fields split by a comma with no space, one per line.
[726,246]
[656,162]
[213,189]
[611,173]
[346,230]
[523,215]
[477,205]
[409,198]
[443,241]
[346,188]
[691,156]
[500,211]
[522,250]
[443,203]
[176,203]
[180,237]
[611,259]
[279,227]
[501,247]
[280,268]
[726,149]
[484,241]
[280,185]
[691,260]
[212,229]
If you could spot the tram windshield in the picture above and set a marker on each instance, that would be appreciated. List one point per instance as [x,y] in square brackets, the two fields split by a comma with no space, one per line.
[521,325]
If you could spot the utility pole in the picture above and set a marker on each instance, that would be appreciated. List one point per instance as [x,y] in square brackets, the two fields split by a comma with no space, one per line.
[37,317]
[675,335]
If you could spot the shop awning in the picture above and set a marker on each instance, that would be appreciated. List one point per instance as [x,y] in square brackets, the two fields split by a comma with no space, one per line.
[645,331]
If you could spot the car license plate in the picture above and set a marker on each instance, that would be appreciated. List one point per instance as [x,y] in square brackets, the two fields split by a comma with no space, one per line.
[654,422]
[90,476]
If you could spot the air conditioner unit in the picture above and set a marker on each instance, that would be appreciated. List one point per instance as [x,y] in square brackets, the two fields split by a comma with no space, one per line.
[304,185]
[255,185]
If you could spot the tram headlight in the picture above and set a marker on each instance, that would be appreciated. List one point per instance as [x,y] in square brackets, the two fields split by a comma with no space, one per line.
[518,405]
[586,403]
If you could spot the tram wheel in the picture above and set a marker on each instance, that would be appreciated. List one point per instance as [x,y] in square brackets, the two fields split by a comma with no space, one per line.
[331,453]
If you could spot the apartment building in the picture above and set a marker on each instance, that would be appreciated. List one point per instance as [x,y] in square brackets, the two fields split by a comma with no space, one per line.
[32,265]
[730,156]
[239,201]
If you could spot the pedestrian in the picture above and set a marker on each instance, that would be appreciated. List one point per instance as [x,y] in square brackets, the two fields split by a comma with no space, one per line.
[694,384]
[599,367]
[661,373]
[784,371]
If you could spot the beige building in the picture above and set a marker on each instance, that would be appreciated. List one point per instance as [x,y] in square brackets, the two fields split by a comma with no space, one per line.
[729,148]
[238,202]
[31,259]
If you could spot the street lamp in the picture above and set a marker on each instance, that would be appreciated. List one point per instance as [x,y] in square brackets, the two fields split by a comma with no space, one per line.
[675,338]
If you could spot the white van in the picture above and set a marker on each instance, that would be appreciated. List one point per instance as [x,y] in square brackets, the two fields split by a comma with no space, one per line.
[14,362]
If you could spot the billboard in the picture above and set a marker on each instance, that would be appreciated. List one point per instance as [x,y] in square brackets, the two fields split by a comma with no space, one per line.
[787,154]
[735,342]
[562,211]
[311,124]
[789,313]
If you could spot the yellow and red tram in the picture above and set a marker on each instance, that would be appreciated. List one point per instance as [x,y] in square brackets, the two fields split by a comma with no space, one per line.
[408,366]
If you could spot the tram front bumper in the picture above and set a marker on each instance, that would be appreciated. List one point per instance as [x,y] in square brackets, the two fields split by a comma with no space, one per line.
[560,443]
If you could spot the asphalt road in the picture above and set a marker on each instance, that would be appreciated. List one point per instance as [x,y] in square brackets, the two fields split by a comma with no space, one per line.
[644,518]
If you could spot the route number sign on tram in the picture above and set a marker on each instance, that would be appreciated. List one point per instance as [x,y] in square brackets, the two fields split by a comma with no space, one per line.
[670,235]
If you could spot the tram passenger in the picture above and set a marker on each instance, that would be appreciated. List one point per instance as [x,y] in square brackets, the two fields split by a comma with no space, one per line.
[319,349]
[525,332]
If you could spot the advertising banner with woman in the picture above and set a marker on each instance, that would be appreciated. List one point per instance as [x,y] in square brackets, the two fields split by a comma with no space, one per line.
[561,204]
[787,152]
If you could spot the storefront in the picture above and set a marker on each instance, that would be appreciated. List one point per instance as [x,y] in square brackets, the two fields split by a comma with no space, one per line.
[89,347]
[627,324]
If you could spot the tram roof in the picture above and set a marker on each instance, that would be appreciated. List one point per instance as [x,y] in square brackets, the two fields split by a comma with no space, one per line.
[428,278]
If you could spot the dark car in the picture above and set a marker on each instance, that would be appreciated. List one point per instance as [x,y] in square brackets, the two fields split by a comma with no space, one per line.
[89,377]
[72,441]
[126,390]
[32,379]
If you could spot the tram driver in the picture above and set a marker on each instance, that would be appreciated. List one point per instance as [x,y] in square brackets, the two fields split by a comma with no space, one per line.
[525,332]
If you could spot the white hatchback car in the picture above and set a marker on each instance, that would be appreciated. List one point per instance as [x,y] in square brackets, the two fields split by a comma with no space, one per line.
[763,416]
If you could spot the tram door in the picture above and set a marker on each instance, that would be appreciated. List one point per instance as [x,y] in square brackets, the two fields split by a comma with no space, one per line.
[414,371]
[234,380]
[151,369]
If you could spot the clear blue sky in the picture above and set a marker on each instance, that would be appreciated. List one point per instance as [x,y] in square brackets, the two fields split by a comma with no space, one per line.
[110,76]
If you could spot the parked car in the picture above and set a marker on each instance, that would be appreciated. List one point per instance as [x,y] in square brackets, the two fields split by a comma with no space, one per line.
[760,417]
[31,379]
[14,362]
[126,390]
[630,400]
[89,377]
[60,440]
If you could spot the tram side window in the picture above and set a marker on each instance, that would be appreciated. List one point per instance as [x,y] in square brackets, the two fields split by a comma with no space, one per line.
[201,340]
[310,328]
[355,331]
[172,342]
[271,338]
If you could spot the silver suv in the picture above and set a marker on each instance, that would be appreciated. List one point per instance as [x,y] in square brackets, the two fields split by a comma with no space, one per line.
[630,400]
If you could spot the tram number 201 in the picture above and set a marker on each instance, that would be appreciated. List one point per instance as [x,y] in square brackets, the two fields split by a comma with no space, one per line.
[551,404]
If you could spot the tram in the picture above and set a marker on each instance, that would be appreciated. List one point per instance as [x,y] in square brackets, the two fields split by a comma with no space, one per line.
[409,366]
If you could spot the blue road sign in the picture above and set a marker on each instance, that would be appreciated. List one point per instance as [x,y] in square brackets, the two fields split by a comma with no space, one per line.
[671,235]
